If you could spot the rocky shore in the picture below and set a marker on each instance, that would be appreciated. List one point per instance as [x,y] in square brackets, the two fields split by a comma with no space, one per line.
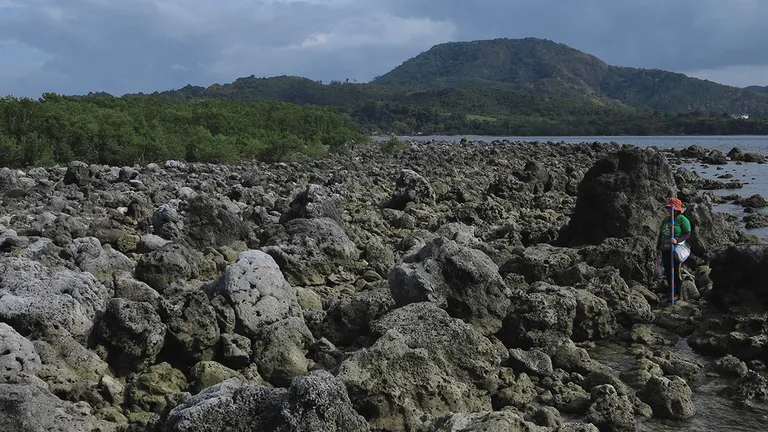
[446,287]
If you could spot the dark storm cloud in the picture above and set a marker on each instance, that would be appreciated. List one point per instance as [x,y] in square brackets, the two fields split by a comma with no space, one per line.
[145,45]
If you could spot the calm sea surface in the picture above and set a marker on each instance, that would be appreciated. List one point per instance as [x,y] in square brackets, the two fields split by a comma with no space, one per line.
[754,176]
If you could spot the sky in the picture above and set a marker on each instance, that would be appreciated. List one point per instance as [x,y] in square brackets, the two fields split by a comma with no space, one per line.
[129,46]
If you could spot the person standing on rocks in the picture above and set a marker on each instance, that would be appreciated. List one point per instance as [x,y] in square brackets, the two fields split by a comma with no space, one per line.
[665,241]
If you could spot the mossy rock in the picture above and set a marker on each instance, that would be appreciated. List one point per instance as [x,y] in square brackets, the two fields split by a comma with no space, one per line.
[147,390]
[208,373]
[309,299]
[128,243]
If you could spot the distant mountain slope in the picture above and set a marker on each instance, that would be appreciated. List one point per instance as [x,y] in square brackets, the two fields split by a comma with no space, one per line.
[545,67]
[757,89]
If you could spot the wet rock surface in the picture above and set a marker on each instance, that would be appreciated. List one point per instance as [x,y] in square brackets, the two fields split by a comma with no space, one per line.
[448,287]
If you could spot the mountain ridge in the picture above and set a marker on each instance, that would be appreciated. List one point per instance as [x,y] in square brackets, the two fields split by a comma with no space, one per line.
[543,66]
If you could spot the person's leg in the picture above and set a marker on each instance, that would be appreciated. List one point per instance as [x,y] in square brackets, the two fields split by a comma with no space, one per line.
[665,259]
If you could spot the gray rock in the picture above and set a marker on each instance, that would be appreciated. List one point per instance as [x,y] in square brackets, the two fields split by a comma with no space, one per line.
[347,319]
[29,408]
[463,281]
[280,350]
[255,288]
[314,202]
[668,397]
[634,258]
[309,250]
[130,289]
[539,318]
[17,355]
[507,421]
[627,305]
[411,187]
[315,402]
[622,195]
[611,412]
[541,262]
[78,173]
[150,243]
[32,296]
[642,371]
[730,365]
[174,164]
[69,369]
[750,388]
[167,223]
[173,262]
[209,373]
[192,331]
[534,361]
[408,363]
[235,350]
[209,222]
[89,256]
[133,334]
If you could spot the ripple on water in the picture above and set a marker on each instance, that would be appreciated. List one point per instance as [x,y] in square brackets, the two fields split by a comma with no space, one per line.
[714,412]
[755,177]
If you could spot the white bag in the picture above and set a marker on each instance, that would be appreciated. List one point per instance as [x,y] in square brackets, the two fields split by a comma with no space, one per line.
[682,252]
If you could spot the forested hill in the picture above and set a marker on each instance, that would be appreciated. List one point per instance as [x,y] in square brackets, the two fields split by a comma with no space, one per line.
[757,89]
[545,67]
[482,109]
[510,87]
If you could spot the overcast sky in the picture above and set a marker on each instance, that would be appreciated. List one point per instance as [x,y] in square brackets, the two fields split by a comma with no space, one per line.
[125,46]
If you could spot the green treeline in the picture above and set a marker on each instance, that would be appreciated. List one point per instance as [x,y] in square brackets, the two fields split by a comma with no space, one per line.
[285,118]
[471,110]
[123,131]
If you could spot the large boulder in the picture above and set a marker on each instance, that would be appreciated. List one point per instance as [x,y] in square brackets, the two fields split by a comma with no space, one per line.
[668,397]
[611,412]
[78,173]
[547,313]
[622,195]
[425,364]
[710,230]
[502,421]
[132,333]
[89,255]
[309,250]
[32,295]
[70,370]
[17,355]
[32,408]
[738,277]
[411,187]
[347,319]
[255,288]
[172,262]
[315,402]
[280,350]
[463,281]
[634,258]
[628,305]
[193,333]
[540,262]
[210,222]
[315,201]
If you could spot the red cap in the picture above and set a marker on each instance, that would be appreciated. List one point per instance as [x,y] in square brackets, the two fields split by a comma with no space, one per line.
[675,203]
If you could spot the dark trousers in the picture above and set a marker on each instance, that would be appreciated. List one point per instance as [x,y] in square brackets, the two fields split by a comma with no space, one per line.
[665,259]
